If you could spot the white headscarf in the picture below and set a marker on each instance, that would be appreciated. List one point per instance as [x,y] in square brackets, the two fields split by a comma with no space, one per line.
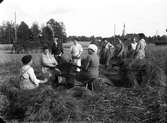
[93,47]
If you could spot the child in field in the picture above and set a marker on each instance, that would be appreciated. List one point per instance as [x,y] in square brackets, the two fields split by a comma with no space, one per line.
[28,78]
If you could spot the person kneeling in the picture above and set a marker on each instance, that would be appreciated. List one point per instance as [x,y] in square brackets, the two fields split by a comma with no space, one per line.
[28,78]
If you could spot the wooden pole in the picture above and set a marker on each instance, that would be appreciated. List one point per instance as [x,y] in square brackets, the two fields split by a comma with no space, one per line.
[15,29]
[114,31]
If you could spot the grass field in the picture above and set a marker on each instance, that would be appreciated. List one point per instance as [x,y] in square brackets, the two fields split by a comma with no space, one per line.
[108,104]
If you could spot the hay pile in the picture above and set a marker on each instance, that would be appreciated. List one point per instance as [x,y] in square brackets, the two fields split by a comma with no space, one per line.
[144,72]
[79,104]
[105,104]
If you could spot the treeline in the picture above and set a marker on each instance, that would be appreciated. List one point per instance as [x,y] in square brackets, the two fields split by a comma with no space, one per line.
[35,35]
[84,38]
[21,34]
[158,40]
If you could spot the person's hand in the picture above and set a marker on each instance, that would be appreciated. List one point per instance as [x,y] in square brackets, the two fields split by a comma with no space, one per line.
[45,80]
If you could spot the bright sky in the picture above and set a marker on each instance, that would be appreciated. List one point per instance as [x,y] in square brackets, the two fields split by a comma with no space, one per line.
[92,17]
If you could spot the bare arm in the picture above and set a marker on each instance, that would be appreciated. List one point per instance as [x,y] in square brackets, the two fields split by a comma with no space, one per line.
[33,77]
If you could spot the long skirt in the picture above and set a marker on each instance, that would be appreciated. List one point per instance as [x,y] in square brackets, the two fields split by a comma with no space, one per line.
[140,54]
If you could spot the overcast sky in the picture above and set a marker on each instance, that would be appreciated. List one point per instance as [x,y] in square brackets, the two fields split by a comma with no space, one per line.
[91,17]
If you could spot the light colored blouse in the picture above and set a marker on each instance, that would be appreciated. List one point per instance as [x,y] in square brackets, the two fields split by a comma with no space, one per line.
[76,50]
[48,60]
[28,78]
[140,49]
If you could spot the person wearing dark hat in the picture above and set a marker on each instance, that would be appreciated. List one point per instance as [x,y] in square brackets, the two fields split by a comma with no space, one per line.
[57,50]
[76,51]
[28,78]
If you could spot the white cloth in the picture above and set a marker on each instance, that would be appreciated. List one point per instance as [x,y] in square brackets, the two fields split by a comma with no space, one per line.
[108,45]
[93,47]
[140,49]
[133,45]
[76,50]
[28,78]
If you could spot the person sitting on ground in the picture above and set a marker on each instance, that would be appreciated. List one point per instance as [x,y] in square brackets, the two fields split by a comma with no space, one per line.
[76,51]
[49,64]
[28,78]
[91,66]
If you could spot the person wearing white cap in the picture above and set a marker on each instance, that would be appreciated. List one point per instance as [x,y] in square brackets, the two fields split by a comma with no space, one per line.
[91,64]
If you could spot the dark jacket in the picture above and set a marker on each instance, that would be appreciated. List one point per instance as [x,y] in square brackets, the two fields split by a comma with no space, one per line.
[56,50]
[92,66]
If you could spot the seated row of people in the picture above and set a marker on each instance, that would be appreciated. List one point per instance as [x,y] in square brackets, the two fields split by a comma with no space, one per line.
[49,66]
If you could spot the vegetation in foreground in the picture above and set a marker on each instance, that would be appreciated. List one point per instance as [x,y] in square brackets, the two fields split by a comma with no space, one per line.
[105,104]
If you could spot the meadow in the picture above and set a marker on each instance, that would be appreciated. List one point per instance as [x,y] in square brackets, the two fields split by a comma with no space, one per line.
[107,104]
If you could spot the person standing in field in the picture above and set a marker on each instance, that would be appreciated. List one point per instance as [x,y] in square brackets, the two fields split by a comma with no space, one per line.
[91,66]
[140,48]
[133,47]
[108,53]
[119,49]
[57,50]
[28,78]
[76,51]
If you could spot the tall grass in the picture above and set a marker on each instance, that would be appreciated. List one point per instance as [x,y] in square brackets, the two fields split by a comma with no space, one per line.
[106,104]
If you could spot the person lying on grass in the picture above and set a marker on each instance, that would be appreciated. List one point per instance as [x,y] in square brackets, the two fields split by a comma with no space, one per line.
[28,78]
[49,65]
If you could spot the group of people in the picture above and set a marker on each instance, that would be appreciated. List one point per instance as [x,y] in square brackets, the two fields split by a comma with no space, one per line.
[87,71]
[138,47]
[52,57]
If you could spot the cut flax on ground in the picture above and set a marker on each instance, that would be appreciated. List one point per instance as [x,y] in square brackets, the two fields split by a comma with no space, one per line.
[106,104]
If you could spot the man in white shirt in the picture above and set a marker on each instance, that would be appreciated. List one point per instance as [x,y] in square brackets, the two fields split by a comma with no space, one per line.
[140,48]
[76,51]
